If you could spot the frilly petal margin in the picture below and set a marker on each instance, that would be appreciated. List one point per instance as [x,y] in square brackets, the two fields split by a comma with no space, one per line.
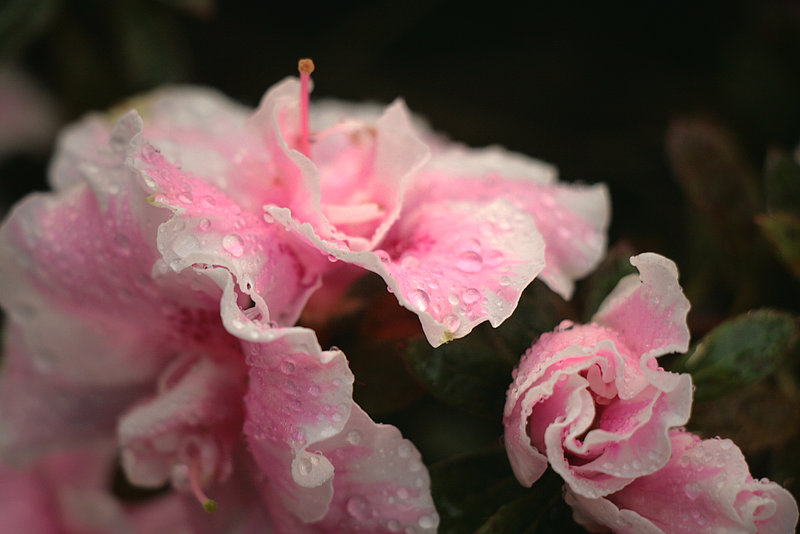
[572,219]
[649,309]
[247,257]
[323,457]
[455,264]
[705,487]
[553,415]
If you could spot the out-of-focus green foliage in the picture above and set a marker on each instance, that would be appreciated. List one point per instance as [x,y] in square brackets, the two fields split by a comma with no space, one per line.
[739,352]
[473,373]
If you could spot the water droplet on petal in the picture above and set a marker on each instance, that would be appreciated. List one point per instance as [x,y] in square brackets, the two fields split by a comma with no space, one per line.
[383,255]
[354,437]
[692,490]
[332,258]
[419,299]
[393,525]
[204,225]
[358,507]
[404,450]
[403,493]
[471,295]
[305,466]
[233,244]
[186,197]
[287,367]
[451,323]
[427,521]
[453,299]
[470,262]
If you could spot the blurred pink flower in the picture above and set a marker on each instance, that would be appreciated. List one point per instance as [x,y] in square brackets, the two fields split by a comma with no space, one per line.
[29,115]
[591,399]
[705,488]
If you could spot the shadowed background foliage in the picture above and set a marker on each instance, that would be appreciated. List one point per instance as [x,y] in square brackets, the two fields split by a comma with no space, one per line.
[678,106]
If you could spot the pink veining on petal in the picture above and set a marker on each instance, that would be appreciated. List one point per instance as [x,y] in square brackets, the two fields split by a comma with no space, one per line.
[705,487]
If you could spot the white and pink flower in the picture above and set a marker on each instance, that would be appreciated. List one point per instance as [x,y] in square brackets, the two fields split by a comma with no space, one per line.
[591,401]
[705,487]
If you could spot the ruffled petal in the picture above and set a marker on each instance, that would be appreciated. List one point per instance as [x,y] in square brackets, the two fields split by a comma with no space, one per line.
[380,483]
[298,396]
[649,309]
[80,266]
[572,219]
[454,264]
[247,257]
[324,459]
[192,423]
[581,402]
[705,487]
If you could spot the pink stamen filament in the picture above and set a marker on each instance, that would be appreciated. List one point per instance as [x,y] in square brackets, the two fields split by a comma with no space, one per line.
[209,505]
[306,67]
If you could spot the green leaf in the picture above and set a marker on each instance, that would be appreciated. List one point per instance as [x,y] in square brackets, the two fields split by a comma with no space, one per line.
[542,511]
[473,373]
[739,352]
[782,230]
[782,183]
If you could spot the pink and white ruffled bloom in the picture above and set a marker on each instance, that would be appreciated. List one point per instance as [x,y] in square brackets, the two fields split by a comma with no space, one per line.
[156,311]
[591,401]
[456,234]
[705,488]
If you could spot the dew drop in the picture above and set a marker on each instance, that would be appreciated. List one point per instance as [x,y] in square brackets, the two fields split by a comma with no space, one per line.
[419,299]
[469,262]
[692,490]
[305,466]
[427,521]
[452,323]
[404,450]
[354,437]
[204,225]
[383,255]
[358,507]
[315,390]
[453,299]
[209,201]
[332,258]
[287,367]
[403,493]
[186,197]
[233,244]
[393,525]
[471,295]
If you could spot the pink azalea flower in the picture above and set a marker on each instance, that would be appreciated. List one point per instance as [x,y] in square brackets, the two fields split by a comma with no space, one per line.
[120,320]
[705,487]
[457,234]
[591,400]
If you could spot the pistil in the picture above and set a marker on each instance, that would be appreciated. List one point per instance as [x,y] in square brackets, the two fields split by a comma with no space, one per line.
[306,67]
[209,505]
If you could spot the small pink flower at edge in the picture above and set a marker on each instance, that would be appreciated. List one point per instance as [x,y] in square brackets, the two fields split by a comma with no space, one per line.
[705,487]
